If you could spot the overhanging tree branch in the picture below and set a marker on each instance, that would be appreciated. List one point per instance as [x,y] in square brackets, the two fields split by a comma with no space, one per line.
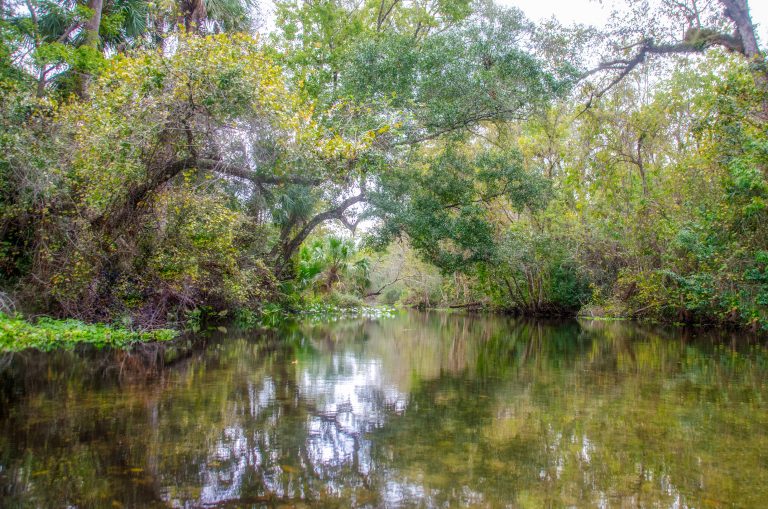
[696,40]
[624,66]
[119,216]
[288,247]
[244,173]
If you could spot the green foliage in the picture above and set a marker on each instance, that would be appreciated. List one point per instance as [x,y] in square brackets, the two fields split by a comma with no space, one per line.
[330,262]
[715,271]
[53,45]
[230,15]
[17,334]
[118,225]
[446,209]
[473,71]
[320,40]
[345,300]
[671,204]
[535,272]
[203,174]
[657,206]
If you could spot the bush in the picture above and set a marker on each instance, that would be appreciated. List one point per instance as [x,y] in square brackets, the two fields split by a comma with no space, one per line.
[345,300]
[536,272]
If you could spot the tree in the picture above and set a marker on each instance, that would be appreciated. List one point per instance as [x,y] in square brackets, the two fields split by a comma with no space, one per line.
[330,261]
[217,113]
[65,43]
[216,15]
[403,93]
[445,210]
[731,28]
[318,38]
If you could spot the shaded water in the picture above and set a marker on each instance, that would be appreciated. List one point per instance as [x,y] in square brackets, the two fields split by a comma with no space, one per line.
[424,410]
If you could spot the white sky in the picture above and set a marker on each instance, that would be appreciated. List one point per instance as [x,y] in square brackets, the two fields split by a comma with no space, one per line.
[587,12]
[590,12]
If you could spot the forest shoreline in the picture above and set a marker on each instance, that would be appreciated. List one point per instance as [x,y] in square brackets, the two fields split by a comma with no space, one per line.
[154,174]
[48,334]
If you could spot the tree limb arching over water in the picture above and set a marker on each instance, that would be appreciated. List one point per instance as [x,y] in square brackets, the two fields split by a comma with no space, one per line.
[162,162]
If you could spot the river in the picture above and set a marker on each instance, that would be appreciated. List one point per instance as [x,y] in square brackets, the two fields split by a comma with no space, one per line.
[420,410]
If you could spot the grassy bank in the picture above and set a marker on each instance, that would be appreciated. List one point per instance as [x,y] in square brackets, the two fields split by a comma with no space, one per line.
[47,334]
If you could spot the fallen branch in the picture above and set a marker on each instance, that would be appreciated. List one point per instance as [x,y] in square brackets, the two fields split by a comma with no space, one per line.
[468,305]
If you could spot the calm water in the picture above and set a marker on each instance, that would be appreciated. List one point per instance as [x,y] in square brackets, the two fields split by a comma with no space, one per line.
[421,410]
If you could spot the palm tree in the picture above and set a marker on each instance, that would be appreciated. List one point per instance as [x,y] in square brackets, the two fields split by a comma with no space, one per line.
[326,263]
[44,27]
[107,26]
[216,15]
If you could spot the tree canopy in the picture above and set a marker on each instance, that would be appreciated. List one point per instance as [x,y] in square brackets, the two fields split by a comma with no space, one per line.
[163,158]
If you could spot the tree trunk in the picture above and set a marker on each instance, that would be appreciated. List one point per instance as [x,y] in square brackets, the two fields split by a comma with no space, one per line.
[285,249]
[194,14]
[641,165]
[743,41]
[738,12]
[94,22]
[91,40]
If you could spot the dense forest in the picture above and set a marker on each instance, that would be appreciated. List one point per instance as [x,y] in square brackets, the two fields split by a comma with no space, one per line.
[162,161]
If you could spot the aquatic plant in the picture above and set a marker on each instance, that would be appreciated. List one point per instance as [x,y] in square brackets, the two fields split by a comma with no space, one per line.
[46,334]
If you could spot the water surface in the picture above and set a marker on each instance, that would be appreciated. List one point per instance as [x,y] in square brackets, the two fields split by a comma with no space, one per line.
[420,410]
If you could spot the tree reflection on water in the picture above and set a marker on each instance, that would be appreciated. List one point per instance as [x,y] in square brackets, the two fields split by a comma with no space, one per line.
[426,409]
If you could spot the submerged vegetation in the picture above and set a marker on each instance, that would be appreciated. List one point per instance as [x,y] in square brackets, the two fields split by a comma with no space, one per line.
[164,161]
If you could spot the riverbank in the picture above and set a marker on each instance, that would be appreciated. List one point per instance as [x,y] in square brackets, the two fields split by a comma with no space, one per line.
[609,313]
[46,334]
[17,334]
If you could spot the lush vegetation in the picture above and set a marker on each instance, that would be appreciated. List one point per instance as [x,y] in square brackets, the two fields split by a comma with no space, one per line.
[160,161]
[46,334]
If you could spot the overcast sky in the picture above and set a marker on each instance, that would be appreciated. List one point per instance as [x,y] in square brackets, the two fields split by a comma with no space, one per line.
[588,12]
[592,13]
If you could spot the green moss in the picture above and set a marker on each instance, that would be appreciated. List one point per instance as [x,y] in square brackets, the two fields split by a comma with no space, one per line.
[47,334]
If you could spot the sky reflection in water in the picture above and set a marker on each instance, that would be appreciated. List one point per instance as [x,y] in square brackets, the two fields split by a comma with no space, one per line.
[425,410]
